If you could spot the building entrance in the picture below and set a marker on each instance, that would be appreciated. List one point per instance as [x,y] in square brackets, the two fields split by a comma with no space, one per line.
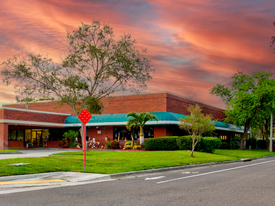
[36,137]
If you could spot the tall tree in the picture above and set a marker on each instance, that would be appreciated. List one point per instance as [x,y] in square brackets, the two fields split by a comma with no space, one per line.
[196,124]
[96,66]
[139,120]
[246,97]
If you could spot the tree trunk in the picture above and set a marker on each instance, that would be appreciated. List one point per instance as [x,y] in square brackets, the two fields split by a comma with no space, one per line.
[242,137]
[193,145]
[133,144]
[81,130]
[141,137]
[267,141]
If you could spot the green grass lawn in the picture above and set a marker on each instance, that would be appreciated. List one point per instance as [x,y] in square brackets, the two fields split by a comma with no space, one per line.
[107,162]
[8,151]
[244,153]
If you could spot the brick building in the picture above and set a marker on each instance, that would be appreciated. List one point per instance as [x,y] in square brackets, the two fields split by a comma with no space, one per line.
[45,122]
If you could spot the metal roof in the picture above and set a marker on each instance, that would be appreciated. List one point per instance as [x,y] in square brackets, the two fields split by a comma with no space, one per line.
[164,118]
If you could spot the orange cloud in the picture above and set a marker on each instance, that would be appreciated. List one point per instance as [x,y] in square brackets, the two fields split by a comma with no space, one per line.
[193,45]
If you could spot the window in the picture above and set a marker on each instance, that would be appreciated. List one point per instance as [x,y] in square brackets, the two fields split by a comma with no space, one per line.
[16,135]
[223,137]
[122,133]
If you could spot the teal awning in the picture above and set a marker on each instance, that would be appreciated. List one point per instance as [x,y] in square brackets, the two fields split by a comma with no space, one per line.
[164,118]
[121,119]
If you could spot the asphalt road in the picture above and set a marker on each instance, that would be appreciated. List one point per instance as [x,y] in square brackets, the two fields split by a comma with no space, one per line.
[242,183]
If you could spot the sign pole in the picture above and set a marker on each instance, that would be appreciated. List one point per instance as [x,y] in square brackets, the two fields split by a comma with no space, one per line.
[84,117]
[84,147]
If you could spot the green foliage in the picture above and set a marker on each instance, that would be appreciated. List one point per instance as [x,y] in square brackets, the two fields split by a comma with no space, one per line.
[96,66]
[234,143]
[196,124]
[71,135]
[209,144]
[128,143]
[115,144]
[249,99]
[138,121]
[137,147]
[185,143]
[108,145]
[71,145]
[161,143]
[224,145]
[128,147]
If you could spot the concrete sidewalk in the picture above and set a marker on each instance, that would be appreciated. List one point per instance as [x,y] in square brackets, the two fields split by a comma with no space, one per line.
[35,152]
[31,182]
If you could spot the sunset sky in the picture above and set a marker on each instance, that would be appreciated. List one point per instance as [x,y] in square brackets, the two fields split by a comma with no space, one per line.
[193,45]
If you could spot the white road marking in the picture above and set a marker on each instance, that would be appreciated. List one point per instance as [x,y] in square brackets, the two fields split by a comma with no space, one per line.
[208,173]
[154,178]
[190,172]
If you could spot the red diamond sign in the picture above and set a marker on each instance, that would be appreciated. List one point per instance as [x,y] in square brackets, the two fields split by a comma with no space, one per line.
[84,116]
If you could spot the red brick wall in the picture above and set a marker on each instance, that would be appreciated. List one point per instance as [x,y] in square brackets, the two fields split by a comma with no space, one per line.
[31,116]
[108,131]
[53,143]
[16,143]
[3,136]
[1,113]
[135,103]
[179,105]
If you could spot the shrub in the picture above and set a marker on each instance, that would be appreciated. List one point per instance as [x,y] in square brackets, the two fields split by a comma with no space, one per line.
[206,144]
[71,135]
[128,147]
[115,144]
[185,143]
[161,143]
[224,145]
[128,143]
[235,143]
[108,145]
[63,143]
[71,145]
[137,147]
[209,144]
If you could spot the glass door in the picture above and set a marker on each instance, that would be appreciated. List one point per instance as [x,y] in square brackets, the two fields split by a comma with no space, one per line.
[36,137]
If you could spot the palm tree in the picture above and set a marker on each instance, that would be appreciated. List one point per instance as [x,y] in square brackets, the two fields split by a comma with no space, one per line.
[139,120]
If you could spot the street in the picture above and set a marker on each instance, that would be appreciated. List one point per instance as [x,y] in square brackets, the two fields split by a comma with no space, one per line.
[241,183]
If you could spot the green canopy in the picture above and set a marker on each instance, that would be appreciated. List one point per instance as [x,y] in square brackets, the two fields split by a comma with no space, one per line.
[164,118]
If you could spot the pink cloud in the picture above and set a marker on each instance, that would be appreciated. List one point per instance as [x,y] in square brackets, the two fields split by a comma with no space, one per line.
[193,45]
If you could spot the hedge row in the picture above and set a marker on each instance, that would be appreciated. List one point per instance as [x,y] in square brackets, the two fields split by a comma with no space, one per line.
[207,144]
[161,143]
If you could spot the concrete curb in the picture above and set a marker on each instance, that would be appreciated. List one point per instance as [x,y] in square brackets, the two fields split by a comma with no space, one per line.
[11,153]
[118,175]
